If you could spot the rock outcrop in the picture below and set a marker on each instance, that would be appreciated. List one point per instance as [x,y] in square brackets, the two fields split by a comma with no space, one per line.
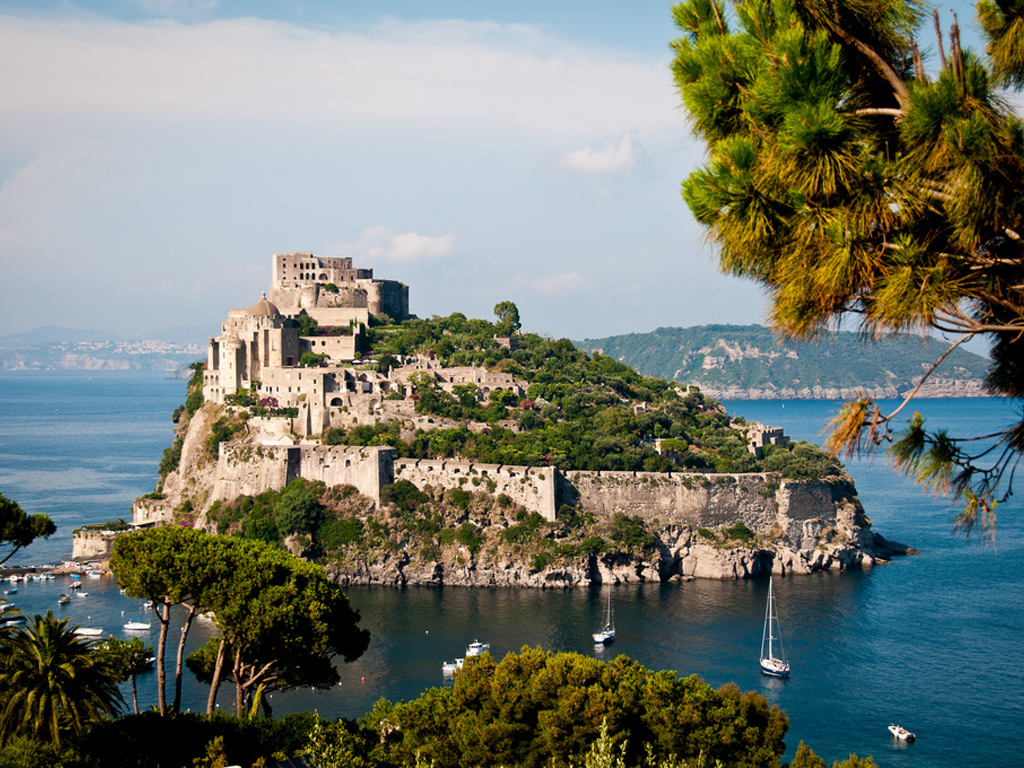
[718,526]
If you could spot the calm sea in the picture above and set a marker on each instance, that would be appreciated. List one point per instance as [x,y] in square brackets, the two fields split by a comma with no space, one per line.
[932,641]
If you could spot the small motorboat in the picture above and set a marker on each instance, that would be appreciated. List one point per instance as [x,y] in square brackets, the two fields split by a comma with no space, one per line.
[901,733]
[476,648]
[63,600]
[137,625]
[76,585]
[89,631]
[11,591]
[451,667]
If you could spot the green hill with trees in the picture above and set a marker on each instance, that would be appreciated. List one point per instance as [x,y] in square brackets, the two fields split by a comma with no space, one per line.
[750,362]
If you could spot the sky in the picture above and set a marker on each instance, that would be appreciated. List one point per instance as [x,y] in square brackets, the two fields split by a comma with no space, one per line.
[155,154]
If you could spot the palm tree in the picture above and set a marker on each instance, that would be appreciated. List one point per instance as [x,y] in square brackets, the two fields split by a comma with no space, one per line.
[52,681]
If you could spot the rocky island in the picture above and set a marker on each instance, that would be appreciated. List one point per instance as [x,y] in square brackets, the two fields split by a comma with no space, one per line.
[394,450]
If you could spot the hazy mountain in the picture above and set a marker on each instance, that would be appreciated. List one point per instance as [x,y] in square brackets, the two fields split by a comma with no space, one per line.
[748,362]
[55,334]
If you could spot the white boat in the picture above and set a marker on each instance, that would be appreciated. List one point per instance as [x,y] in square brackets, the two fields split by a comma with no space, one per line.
[89,631]
[606,634]
[76,585]
[451,667]
[901,733]
[772,664]
[476,648]
[137,625]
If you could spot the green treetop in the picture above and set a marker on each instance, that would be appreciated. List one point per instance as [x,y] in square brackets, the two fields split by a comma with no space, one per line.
[851,180]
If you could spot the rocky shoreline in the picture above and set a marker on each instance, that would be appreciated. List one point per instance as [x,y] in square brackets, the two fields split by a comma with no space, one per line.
[681,555]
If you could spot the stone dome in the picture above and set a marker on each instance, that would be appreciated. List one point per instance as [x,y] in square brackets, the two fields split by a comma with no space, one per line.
[264,308]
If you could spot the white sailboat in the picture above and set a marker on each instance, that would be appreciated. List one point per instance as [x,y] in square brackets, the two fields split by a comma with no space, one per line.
[607,633]
[772,664]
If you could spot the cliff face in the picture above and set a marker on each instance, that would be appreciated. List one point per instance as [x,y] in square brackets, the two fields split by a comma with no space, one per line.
[793,526]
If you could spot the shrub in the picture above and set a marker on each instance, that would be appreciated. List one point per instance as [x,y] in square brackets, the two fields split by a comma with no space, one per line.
[471,537]
[459,498]
[403,495]
[739,532]
[171,458]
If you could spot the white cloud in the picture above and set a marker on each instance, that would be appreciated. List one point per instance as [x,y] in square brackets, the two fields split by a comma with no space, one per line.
[612,157]
[554,285]
[442,73]
[377,244]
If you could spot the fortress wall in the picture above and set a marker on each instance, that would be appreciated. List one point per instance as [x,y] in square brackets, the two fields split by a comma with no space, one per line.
[800,508]
[92,545]
[366,468]
[533,487]
[688,499]
[250,470]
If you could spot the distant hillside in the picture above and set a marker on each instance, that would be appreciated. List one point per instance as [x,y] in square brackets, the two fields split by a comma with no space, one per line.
[54,334]
[52,348]
[745,362]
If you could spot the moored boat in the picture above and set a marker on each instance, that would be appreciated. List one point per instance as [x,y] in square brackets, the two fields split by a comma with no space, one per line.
[89,631]
[901,733]
[476,648]
[606,634]
[451,667]
[772,664]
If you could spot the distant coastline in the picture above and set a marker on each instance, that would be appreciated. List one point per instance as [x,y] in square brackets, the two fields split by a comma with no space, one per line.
[732,362]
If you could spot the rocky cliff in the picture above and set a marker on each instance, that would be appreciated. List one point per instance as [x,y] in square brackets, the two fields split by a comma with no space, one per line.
[489,525]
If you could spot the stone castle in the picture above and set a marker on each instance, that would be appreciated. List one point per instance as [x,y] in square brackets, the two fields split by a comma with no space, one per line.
[261,349]
[816,524]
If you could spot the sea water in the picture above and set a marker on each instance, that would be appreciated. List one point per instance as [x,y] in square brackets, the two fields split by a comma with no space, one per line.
[931,641]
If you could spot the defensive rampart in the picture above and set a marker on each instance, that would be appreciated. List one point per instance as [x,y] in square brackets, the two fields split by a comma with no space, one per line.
[690,499]
[533,487]
[251,470]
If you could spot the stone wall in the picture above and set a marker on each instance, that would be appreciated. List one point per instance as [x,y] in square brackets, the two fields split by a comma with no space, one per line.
[251,470]
[689,499]
[92,545]
[533,487]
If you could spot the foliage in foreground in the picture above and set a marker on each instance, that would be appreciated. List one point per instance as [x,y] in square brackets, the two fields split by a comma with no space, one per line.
[18,529]
[853,183]
[537,708]
[282,621]
[533,709]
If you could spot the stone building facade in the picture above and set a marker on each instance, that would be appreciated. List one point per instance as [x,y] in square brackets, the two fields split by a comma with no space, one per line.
[333,291]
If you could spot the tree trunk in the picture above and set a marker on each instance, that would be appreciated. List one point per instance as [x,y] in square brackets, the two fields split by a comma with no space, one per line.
[164,614]
[211,702]
[239,689]
[135,694]
[181,657]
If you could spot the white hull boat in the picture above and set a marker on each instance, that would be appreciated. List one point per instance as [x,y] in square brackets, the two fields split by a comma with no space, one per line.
[901,733]
[773,659]
[606,634]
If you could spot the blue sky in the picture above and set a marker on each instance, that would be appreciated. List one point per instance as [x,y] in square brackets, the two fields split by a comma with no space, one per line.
[156,153]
